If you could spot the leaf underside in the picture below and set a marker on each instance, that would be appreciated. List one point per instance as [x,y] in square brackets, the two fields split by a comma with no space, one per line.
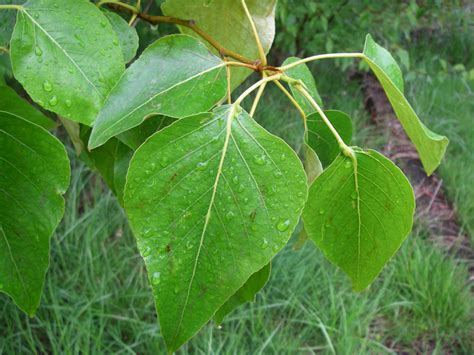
[431,147]
[213,207]
[359,214]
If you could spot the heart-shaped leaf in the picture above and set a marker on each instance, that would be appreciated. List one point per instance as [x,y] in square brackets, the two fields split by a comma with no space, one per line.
[175,76]
[66,55]
[430,146]
[226,22]
[34,174]
[211,199]
[359,212]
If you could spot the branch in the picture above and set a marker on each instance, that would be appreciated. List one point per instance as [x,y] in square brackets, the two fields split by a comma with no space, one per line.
[191,24]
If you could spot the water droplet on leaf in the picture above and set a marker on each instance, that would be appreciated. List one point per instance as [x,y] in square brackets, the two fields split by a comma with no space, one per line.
[47,86]
[283,225]
[202,165]
[259,159]
[53,101]
[155,279]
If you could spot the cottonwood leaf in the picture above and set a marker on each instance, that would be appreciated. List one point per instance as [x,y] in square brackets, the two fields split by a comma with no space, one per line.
[226,22]
[430,146]
[302,72]
[359,212]
[322,140]
[211,199]
[12,103]
[34,174]
[127,35]
[175,76]
[66,56]
[245,294]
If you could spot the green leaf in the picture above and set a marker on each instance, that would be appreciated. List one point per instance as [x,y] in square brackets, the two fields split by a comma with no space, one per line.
[102,158]
[67,56]
[245,294]
[13,104]
[312,163]
[135,137]
[127,35]
[7,22]
[359,212]
[430,146]
[322,140]
[34,174]
[123,155]
[190,80]
[302,72]
[213,207]
[226,22]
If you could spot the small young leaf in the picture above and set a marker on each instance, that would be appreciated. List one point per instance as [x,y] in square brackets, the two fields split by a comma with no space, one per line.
[34,174]
[213,207]
[302,72]
[175,76]
[127,35]
[12,103]
[123,155]
[245,294]
[359,213]
[322,140]
[67,56]
[430,146]
[226,22]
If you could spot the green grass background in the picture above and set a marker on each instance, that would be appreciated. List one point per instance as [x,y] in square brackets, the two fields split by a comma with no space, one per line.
[97,299]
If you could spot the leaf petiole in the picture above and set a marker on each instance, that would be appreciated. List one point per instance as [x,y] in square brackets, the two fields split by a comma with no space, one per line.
[11,7]
[256,86]
[321,56]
